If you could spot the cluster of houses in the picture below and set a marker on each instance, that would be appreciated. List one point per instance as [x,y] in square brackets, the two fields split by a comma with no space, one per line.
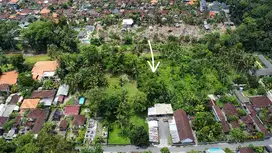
[244,116]
[30,114]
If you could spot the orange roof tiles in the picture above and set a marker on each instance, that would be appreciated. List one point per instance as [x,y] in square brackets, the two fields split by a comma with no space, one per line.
[13,1]
[54,15]
[153,2]
[45,11]
[43,66]
[9,77]
[30,103]
[191,2]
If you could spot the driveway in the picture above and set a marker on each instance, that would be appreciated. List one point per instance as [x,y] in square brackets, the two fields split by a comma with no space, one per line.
[163,133]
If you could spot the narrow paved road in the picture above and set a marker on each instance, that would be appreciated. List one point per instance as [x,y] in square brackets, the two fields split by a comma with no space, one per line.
[183,149]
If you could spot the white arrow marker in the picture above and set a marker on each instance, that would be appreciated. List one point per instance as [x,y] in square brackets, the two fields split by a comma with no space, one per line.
[153,68]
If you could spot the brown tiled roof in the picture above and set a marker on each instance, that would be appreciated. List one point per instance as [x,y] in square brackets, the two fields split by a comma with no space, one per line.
[225,126]
[38,124]
[4,87]
[247,119]
[251,109]
[260,125]
[43,94]
[45,11]
[30,103]
[230,109]
[9,77]
[246,150]
[183,125]
[17,121]
[260,101]
[63,125]
[3,120]
[38,113]
[219,113]
[14,99]
[234,124]
[79,120]
[43,66]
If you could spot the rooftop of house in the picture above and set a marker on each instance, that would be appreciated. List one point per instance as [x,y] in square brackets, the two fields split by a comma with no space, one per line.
[79,120]
[71,110]
[230,109]
[251,110]
[225,126]
[3,120]
[45,11]
[247,119]
[30,103]
[14,99]
[260,101]
[38,124]
[63,125]
[43,66]
[4,87]
[63,90]
[246,150]
[183,125]
[43,94]
[260,125]
[160,109]
[240,96]
[9,78]
[219,114]
[38,113]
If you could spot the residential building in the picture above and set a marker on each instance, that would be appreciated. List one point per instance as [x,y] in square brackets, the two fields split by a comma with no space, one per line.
[91,131]
[71,110]
[160,110]
[9,78]
[46,96]
[173,131]
[220,117]
[184,129]
[44,70]
[266,71]
[29,104]
[38,118]
[247,120]
[217,7]
[260,102]
[79,121]
[127,23]
[63,125]
[230,109]
[250,110]
[260,125]
[63,90]
[3,120]
[203,5]
[246,150]
[57,115]
[153,131]
[240,96]
[268,148]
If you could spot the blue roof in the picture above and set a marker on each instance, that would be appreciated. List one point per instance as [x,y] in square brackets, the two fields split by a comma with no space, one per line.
[81,100]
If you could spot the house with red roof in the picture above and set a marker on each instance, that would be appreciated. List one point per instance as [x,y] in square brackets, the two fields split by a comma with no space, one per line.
[79,121]
[71,110]
[184,129]
[260,102]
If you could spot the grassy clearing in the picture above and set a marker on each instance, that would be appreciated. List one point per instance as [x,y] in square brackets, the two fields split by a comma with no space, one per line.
[114,83]
[139,120]
[36,58]
[115,136]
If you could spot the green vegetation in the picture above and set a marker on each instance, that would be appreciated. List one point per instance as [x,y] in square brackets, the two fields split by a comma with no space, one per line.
[30,60]
[115,136]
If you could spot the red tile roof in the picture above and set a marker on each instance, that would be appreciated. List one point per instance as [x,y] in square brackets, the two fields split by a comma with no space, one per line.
[260,101]
[246,150]
[79,120]
[234,124]
[230,109]
[260,125]
[247,119]
[38,113]
[251,109]
[38,124]
[225,126]
[219,113]
[43,94]
[71,110]
[14,99]
[63,125]
[183,125]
